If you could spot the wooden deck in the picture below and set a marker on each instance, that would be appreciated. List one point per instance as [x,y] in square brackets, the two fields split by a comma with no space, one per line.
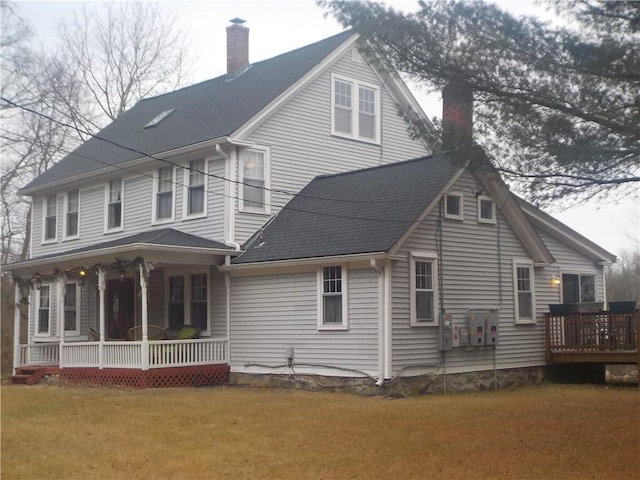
[601,337]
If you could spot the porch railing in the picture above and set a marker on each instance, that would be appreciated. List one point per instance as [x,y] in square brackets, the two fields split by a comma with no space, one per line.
[39,354]
[168,353]
[592,332]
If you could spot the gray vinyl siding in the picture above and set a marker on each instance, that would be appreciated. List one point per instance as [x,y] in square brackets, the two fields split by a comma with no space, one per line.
[219,304]
[273,312]
[302,146]
[138,199]
[471,253]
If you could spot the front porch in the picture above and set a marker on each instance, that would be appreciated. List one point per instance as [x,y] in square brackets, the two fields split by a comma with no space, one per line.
[137,364]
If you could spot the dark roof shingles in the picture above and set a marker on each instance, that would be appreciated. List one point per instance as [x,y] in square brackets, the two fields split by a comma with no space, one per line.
[208,110]
[364,211]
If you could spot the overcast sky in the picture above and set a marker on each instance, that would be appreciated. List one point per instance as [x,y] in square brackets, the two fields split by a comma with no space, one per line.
[277,26]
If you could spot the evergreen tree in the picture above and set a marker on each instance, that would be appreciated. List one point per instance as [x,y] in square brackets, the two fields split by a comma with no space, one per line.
[555,106]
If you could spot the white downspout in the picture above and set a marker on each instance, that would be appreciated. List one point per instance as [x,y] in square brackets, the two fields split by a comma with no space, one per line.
[229,198]
[16,328]
[381,322]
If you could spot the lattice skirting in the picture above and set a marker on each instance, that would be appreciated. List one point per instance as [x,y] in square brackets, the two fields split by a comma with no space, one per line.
[192,376]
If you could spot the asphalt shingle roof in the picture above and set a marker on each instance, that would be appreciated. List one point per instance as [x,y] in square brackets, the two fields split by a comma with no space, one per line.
[211,109]
[161,237]
[363,211]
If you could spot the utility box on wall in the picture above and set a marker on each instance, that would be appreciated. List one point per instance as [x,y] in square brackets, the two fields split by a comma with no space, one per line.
[483,327]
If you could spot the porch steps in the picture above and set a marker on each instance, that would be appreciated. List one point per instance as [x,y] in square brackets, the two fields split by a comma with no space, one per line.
[32,375]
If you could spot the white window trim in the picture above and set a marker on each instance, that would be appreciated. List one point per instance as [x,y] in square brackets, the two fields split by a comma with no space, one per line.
[186,273]
[45,205]
[46,334]
[106,206]
[63,312]
[491,220]
[185,190]
[154,198]
[355,109]
[420,256]
[523,262]
[460,195]
[266,151]
[345,299]
[65,216]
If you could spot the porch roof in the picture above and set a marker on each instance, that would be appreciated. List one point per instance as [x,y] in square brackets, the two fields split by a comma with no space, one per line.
[162,245]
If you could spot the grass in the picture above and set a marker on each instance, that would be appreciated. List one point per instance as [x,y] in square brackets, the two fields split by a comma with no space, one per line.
[547,431]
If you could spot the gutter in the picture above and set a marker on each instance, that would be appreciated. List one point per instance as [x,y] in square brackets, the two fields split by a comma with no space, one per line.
[311,261]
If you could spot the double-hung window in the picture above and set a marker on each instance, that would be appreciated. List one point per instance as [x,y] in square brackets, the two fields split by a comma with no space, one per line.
[332,298]
[164,196]
[71,307]
[72,207]
[188,300]
[524,291]
[50,218]
[254,169]
[196,188]
[114,205]
[355,109]
[44,310]
[424,288]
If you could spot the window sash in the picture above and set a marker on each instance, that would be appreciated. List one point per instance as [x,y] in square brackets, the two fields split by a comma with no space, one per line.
[50,221]
[71,307]
[254,188]
[342,107]
[176,301]
[195,191]
[453,207]
[44,309]
[424,291]
[332,296]
[487,210]
[367,113]
[114,206]
[199,301]
[524,292]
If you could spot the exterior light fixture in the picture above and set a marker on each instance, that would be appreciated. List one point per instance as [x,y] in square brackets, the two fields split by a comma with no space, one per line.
[555,281]
[82,275]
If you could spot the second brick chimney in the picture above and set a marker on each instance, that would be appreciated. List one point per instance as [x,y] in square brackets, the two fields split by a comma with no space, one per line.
[457,116]
[237,47]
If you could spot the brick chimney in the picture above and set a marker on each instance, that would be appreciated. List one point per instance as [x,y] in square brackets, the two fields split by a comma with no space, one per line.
[237,47]
[457,116]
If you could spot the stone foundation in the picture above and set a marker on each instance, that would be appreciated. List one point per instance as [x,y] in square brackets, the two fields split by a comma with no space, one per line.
[398,387]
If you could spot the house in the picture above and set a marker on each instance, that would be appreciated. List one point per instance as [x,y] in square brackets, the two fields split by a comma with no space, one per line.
[147,208]
[278,214]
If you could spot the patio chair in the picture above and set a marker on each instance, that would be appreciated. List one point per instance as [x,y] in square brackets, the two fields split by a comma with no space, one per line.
[185,332]
[95,337]
[154,332]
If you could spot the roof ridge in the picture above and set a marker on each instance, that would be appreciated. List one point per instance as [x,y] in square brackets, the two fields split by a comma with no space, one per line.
[376,167]
[225,75]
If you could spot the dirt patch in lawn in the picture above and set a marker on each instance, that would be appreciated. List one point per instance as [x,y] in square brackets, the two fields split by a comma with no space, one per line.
[546,431]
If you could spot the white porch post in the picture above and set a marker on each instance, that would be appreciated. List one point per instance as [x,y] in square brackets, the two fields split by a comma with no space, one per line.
[16,328]
[60,326]
[145,318]
[102,286]
[227,283]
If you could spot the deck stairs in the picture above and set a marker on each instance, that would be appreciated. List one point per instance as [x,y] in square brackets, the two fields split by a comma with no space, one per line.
[32,375]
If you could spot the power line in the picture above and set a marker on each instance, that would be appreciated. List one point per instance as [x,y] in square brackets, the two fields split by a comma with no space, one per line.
[233,197]
[154,157]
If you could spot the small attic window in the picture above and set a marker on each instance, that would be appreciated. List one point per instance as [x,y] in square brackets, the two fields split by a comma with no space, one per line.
[158,118]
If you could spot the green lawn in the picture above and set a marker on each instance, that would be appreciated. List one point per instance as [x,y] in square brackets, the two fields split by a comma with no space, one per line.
[546,431]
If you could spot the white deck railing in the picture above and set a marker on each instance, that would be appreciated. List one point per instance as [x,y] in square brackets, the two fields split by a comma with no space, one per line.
[165,353]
